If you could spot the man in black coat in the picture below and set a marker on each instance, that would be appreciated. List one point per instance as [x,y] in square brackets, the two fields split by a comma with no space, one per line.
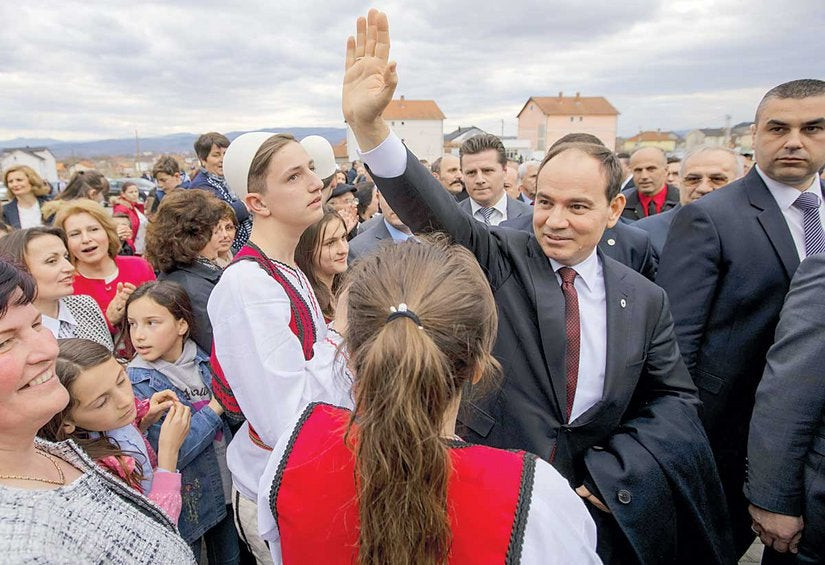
[650,194]
[727,264]
[786,449]
[595,386]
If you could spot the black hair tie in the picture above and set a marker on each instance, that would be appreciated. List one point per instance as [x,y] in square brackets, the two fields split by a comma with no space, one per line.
[403,312]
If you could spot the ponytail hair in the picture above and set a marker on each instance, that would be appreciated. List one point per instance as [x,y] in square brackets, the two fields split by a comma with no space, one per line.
[76,356]
[407,379]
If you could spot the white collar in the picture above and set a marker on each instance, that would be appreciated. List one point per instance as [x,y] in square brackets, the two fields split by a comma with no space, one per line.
[588,269]
[786,195]
[501,205]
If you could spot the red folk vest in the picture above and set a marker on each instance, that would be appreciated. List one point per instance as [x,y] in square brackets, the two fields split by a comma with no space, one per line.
[313,496]
[300,322]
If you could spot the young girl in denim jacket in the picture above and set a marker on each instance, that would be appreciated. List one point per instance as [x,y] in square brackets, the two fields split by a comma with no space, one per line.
[159,321]
[106,419]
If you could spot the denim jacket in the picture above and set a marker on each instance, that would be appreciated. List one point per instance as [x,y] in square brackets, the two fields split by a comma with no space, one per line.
[201,487]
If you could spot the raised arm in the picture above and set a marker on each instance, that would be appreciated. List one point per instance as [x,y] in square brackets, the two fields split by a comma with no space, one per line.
[418,199]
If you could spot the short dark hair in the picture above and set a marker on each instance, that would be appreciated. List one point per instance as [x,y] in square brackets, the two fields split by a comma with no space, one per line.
[484,142]
[673,159]
[11,279]
[797,89]
[577,137]
[436,166]
[363,192]
[168,165]
[204,143]
[611,168]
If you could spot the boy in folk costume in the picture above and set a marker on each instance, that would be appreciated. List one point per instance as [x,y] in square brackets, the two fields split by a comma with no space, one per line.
[272,352]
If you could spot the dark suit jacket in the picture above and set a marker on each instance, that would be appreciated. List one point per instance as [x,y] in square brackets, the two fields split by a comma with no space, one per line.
[198,281]
[515,208]
[369,239]
[657,227]
[633,209]
[786,448]
[726,266]
[11,214]
[623,242]
[526,409]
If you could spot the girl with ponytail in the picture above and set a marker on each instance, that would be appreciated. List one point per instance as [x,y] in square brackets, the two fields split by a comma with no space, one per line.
[390,482]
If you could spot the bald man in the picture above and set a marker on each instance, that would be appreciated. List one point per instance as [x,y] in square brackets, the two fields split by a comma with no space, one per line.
[704,169]
[651,194]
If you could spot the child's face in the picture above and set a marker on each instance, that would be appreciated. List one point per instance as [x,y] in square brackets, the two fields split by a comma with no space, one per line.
[103,399]
[331,258]
[154,332]
[168,182]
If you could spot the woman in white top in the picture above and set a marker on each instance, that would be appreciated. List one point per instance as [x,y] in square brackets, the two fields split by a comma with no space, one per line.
[42,252]
[27,192]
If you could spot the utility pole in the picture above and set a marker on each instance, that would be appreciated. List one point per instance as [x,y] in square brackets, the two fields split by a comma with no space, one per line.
[137,153]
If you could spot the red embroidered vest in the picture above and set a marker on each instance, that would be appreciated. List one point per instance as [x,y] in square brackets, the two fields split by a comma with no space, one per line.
[300,322]
[313,496]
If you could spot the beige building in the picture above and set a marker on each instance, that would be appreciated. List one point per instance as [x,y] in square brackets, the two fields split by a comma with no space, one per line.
[419,124]
[544,119]
[716,137]
[664,140]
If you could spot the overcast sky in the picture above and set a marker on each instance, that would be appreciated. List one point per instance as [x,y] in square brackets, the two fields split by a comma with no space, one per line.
[95,69]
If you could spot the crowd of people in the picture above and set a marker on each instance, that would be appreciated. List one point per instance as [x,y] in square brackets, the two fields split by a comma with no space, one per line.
[595,357]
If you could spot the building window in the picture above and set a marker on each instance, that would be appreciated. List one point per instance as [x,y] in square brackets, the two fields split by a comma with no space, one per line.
[580,118]
[402,123]
[571,118]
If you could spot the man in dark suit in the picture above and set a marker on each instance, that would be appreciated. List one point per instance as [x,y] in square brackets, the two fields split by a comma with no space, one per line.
[483,167]
[727,264]
[704,169]
[650,194]
[786,448]
[593,380]
[386,228]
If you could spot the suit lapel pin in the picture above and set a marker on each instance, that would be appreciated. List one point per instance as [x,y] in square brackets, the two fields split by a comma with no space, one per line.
[611,241]
[623,303]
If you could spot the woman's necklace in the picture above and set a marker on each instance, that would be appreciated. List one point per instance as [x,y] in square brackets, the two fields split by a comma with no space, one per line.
[60,482]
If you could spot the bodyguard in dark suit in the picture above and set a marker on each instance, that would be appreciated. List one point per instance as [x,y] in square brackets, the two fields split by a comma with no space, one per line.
[623,242]
[786,448]
[650,194]
[386,227]
[593,380]
[703,170]
[727,265]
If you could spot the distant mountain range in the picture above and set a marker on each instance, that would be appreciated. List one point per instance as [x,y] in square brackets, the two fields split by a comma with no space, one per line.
[173,143]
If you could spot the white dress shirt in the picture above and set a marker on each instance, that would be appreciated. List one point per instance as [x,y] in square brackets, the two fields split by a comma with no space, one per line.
[264,363]
[785,196]
[389,160]
[64,315]
[559,529]
[499,211]
[589,285]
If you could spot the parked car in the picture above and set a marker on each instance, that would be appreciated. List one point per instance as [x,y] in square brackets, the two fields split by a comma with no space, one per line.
[144,186]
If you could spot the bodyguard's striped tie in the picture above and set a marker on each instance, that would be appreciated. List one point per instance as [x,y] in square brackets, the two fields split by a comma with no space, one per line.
[487,213]
[808,202]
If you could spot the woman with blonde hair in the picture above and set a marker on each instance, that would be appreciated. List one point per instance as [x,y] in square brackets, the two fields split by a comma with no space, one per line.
[389,481]
[93,244]
[27,192]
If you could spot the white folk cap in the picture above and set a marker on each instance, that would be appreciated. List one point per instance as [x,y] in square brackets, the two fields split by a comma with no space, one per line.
[320,151]
[238,159]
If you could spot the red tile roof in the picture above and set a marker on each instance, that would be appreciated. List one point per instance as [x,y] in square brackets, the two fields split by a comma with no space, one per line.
[572,106]
[403,109]
[653,136]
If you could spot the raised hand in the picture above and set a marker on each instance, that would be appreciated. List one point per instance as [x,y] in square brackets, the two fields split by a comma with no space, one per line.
[370,79]
[117,307]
